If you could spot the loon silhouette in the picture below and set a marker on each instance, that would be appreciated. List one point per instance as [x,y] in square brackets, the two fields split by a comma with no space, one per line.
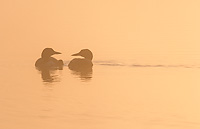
[80,64]
[46,61]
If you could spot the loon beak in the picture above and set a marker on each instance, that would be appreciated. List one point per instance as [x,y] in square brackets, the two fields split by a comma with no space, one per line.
[57,53]
[77,54]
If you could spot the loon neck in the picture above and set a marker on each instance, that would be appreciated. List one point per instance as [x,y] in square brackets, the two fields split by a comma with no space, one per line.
[45,58]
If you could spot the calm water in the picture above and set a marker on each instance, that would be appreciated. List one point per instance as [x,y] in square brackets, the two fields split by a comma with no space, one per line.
[114,95]
[146,64]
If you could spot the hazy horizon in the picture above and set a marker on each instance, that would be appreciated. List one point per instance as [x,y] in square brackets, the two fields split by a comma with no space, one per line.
[146,64]
[138,30]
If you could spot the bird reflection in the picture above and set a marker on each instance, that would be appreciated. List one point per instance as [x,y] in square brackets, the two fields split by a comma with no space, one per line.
[45,74]
[49,75]
[48,65]
[84,75]
[82,66]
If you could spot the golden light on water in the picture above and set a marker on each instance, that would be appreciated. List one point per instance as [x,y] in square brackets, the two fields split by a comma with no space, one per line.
[145,72]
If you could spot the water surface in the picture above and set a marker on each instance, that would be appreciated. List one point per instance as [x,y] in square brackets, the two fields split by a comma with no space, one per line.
[113,95]
[146,64]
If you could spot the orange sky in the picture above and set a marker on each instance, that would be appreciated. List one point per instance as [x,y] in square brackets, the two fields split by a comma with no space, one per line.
[137,26]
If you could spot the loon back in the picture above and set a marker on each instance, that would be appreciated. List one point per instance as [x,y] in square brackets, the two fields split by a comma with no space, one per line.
[78,64]
[51,62]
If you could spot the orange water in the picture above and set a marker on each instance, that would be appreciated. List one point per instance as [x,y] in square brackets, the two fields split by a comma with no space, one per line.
[146,64]
[113,96]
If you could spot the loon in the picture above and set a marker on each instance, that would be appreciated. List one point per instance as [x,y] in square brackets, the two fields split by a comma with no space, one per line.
[80,64]
[46,61]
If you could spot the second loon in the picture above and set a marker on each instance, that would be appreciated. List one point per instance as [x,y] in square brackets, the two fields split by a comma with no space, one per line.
[79,64]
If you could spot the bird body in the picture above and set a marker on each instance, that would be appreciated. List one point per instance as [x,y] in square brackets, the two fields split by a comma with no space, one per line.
[79,64]
[51,62]
[46,61]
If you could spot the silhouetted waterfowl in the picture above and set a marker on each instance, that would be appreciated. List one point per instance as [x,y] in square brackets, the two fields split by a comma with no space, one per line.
[81,64]
[46,61]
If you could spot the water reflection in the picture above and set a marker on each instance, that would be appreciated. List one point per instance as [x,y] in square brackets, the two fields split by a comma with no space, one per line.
[49,74]
[82,67]
[83,74]
[48,65]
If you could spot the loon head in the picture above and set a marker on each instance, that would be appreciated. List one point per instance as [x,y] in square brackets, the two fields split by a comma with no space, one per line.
[86,53]
[48,52]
